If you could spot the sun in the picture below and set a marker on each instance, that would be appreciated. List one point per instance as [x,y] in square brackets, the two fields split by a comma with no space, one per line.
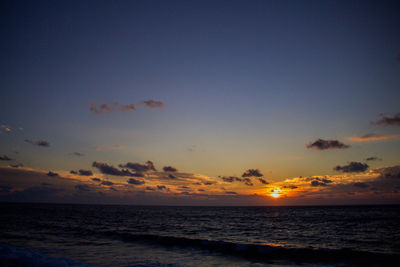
[275,193]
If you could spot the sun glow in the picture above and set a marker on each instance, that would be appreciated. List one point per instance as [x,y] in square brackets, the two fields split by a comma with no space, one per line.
[275,193]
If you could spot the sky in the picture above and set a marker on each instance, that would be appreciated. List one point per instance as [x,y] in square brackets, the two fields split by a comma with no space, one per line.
[200,102]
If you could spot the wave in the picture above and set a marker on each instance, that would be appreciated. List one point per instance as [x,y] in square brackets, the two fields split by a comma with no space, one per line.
[14,256]
[264,252]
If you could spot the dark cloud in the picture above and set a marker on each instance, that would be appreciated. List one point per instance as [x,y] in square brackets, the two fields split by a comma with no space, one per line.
[82,187]
[372,158]
[110,108]
[96,179]
[17,165]
[231,193]
[42,143]
[135,182]
[247,181]
[290,186]
[85,172]
[231,179]
[388,121]
[184,187]
[5,158]
[209,183]
[321,144]
[320,181]
[361,185]
[52,174]
[262,181]
[77,154]
[153,104]
[352,167]
[252,173]
[109,169]
[169,169]
[108,183]
[201,190]
[150,188]
[161,187]
[148,166]
[317,183]
[73,172]
[170,176]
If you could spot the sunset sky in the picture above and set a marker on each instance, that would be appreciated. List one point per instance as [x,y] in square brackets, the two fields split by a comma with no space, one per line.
[200,102]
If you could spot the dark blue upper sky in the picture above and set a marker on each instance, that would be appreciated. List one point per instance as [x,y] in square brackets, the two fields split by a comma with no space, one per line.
[244,83]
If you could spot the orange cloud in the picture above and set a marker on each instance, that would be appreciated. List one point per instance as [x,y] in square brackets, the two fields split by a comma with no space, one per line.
[373,137]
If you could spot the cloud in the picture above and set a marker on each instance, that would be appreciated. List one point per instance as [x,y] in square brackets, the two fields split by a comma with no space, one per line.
[103,108]
[231,179]
[42,143]
[153,104]
[108,183]
[135,182]
[170,176]
[148,166]
[17,165]
[352,167]
[78,154]
[252,173]
[372,158]
[262,181]
[161,187]
[321,144]
[73,172]
[96,179]
[169,169]
[5,128]
[52,174]
[5,189]
[374,137]
[109,169]
[150,188]
[82,187]
[388,121]
[85,172]
[5,158]
[231,193]
[320,181]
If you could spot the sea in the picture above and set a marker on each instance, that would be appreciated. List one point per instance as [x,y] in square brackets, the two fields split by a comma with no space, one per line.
[122,235]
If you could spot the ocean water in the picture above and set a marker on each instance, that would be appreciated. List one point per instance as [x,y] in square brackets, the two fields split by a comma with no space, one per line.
[108,235]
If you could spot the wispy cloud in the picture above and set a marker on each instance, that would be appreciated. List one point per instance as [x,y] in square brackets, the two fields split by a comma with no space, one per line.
[42,143]
[388,121]
[106,108]
[373,137]
[321,144]
[372,158]
[152,103]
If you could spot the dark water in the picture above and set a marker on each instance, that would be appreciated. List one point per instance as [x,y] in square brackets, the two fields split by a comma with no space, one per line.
[202,236]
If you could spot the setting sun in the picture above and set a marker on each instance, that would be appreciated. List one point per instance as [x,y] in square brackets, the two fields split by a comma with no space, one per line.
[275,193]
